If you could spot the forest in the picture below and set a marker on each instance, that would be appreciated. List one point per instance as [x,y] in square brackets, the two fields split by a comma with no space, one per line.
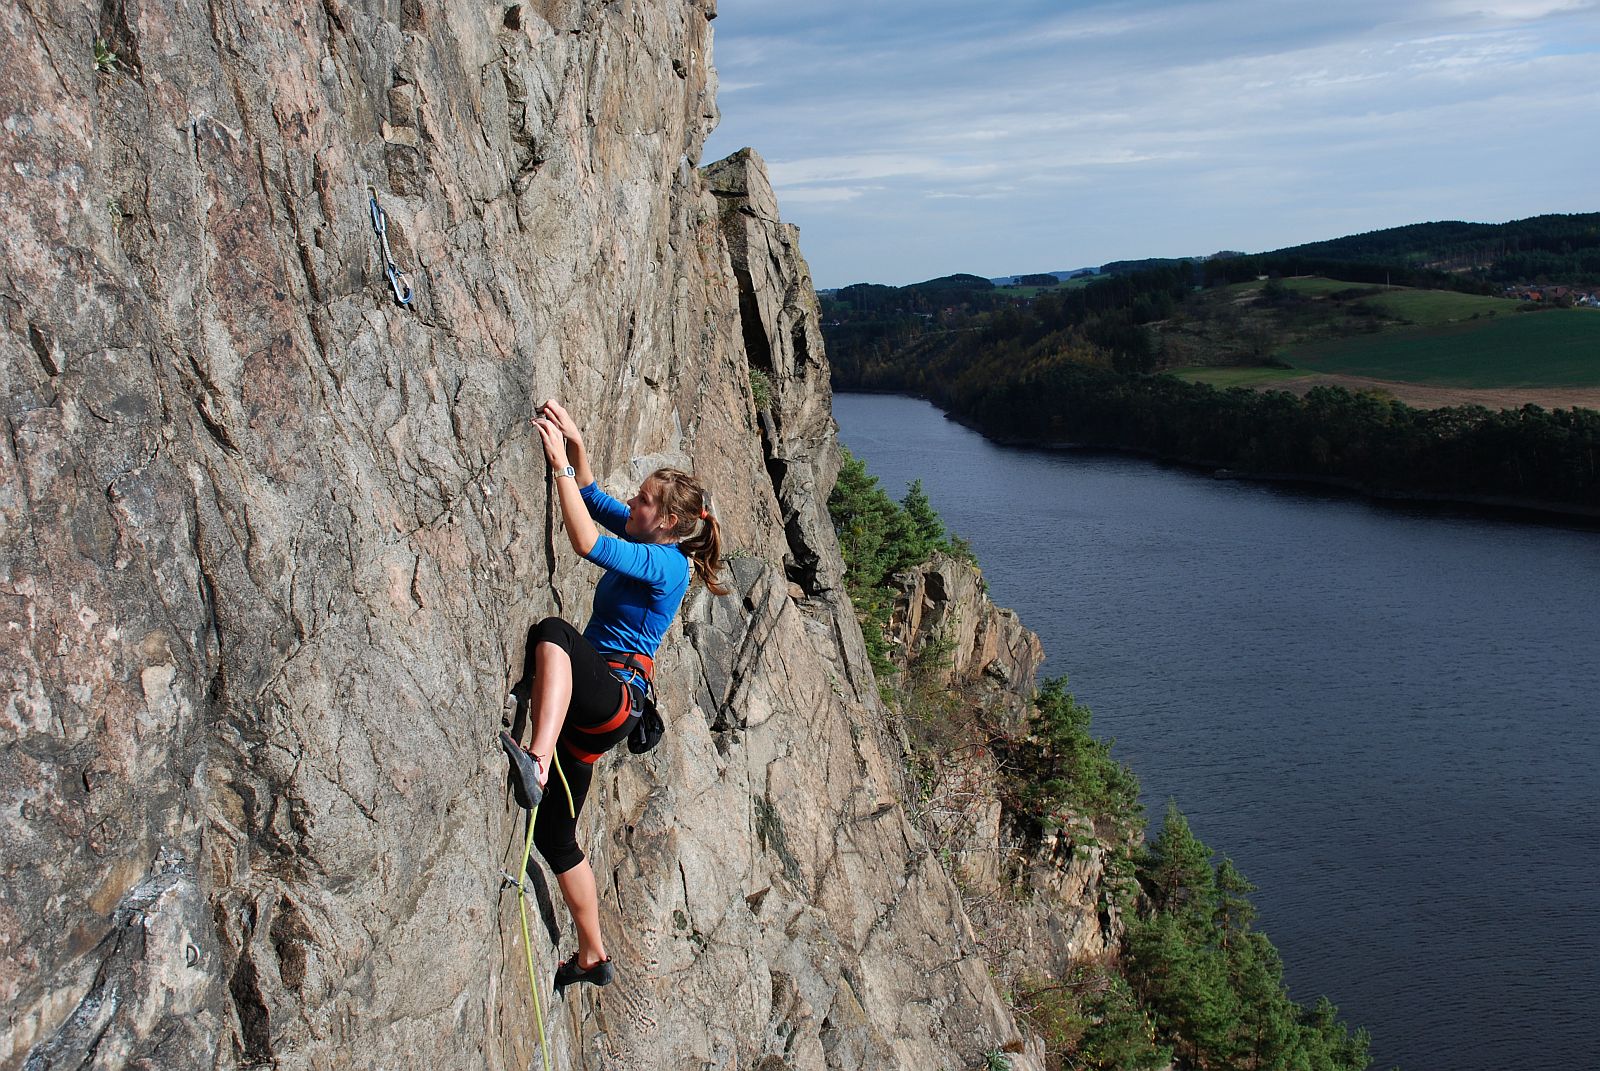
[1543,249]
[1472,257]
[1081,366]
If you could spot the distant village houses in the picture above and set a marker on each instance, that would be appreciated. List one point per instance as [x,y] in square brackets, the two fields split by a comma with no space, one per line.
[1563,296]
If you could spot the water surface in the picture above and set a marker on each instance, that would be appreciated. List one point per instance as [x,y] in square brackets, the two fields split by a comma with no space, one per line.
[1384,715]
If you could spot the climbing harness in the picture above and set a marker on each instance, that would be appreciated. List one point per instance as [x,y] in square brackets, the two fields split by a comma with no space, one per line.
[635,665]
[627,671]
[638,703]
[649,727]
[380,224]
[521,883]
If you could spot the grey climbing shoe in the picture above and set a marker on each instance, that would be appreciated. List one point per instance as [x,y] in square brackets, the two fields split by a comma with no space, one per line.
[524,773]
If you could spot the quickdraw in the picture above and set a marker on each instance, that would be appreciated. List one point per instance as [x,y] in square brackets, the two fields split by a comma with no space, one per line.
[380,224]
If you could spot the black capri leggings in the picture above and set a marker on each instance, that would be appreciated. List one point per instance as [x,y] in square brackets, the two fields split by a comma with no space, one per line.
[596,698]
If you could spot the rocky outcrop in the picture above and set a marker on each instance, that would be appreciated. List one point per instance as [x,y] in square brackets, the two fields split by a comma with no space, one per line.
[778,316]
[1043,906]
[943,616]
[799,876]
[272,541]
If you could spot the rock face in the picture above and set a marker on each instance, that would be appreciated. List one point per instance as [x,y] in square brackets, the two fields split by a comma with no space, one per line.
[271,542]
[778,315]
[982,647]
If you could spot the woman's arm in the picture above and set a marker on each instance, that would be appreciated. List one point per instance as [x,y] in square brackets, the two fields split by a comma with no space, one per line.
[611,514]
[581,528]
[601,506]
[557,414]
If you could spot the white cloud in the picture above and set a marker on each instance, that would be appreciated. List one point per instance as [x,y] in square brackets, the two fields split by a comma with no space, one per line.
[1514,10]
[1078,28]
[984,195]
[839,168]
[873,166]
[821,195]
[1147,126]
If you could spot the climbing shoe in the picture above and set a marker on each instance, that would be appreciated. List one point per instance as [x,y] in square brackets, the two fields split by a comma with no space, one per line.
[524,773]
[569,973]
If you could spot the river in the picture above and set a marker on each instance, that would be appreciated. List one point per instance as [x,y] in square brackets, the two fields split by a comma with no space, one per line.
[1384,714]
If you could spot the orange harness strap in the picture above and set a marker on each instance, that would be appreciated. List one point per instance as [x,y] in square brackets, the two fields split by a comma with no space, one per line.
[624,708]
[643,664]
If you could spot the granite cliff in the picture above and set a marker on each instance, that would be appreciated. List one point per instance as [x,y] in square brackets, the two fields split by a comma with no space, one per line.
[271,542]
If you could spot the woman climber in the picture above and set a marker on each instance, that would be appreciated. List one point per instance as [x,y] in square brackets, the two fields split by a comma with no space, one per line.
[584,690]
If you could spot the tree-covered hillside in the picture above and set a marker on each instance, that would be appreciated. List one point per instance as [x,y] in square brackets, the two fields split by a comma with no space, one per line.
[1076,365]
[1194,985]
[1553,248]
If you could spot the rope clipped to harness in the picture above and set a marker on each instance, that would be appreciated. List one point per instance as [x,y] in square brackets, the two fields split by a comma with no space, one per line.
[520,881]
[380,224]
[572,811]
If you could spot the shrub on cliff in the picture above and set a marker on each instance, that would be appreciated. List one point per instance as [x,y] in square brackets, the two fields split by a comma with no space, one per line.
[879,538]
[1092,1021]
[1060,767]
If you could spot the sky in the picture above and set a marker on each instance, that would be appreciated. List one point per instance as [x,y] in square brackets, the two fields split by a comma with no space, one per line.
[910,140]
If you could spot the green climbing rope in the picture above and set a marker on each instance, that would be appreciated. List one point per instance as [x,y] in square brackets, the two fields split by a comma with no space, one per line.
[555,760]
[522,910]
[527,938]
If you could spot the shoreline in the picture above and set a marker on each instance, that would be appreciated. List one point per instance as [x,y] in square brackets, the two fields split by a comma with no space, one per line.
[1526,510]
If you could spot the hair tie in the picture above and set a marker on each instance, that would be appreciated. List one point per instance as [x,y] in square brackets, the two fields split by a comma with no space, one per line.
[703,514]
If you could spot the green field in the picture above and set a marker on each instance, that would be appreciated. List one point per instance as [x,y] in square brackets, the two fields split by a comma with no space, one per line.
[1558,348]
[1035,291]
[1223,378]
[1317,286]
[1433,307]
[1309,285]
[1424,307]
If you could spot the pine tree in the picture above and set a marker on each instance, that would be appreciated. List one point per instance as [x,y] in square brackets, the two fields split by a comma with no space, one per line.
[1178,872]
[1120,1036]
[1183,981]
[1234,912]
[926,527]
[1268,1031]
[879,538]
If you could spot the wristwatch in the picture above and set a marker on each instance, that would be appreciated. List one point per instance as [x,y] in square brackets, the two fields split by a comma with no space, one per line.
[568,471]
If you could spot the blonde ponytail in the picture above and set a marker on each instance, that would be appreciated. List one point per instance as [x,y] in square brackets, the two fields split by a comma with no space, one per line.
[697,532]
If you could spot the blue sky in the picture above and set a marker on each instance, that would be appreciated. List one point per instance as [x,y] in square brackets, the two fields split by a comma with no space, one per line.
[914,139]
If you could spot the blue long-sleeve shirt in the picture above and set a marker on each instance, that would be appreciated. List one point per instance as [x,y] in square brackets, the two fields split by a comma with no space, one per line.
[643,586]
